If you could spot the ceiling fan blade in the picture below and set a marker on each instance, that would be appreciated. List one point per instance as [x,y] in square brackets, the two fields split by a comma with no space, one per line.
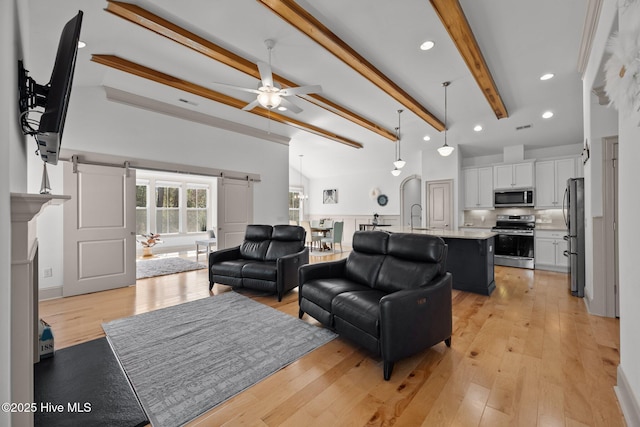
[265,74]
[289,105]
[251,105]
[244,89]
[301,90]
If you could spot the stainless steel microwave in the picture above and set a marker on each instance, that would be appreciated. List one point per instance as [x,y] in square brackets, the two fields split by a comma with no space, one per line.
[513,198]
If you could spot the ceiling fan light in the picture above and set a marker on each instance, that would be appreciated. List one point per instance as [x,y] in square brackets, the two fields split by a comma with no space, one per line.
[445,150]
[396,172]
[269,99]
[399,164]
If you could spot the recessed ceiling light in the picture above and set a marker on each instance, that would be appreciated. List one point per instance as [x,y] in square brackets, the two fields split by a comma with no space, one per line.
[281,108]
[477,128]
[427,138]
[81,44]
[427,45]
[546,76]
[547,115]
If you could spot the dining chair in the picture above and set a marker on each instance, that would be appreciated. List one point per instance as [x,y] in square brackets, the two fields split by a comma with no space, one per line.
[311,237]
[336,235]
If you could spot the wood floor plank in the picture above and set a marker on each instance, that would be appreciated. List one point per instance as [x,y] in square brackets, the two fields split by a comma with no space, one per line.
[528,355]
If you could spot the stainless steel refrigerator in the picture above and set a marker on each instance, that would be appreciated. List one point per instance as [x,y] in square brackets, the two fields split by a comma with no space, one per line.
[573,210]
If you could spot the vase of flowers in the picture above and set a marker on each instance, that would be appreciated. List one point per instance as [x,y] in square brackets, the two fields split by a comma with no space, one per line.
[148,241]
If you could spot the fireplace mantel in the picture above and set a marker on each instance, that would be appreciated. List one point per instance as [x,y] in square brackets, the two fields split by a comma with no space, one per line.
[26,206]
[24,295]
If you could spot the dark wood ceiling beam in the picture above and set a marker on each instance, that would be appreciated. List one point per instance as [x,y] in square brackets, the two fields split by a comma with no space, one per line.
[174,82]
[292,13]
[455,21]
[150,21]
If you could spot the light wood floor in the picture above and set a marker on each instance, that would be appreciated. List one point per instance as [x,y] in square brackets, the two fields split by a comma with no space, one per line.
[528,355]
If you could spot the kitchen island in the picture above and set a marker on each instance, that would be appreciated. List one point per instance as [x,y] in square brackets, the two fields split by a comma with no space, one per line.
[469,257]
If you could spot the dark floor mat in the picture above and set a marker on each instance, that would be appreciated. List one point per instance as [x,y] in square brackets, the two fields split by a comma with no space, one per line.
[87,380]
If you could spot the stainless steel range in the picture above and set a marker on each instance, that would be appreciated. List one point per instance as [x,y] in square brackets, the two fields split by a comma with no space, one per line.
[514,243]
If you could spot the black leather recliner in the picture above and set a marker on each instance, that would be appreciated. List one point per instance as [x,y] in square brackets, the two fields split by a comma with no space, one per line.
[267,260]
[391,296]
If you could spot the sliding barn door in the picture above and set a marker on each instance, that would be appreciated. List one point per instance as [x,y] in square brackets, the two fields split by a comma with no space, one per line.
[235,211]
[99,228]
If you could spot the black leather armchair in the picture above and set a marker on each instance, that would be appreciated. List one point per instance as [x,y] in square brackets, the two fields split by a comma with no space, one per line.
[391,296]
[267,260]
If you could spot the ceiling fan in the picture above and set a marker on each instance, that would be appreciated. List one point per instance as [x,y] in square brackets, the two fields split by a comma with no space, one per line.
[269,94]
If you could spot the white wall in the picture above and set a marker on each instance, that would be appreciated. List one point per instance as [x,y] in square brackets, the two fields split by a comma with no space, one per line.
[97,125]
[13,18]
[629,236]
[598,123]
[354,192]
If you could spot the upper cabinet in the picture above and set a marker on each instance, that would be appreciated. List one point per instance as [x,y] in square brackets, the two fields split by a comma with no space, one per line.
[551,181]
[478,188]
[517,175]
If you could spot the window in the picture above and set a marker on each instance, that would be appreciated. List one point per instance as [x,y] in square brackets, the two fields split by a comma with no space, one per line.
[295,205]
[173,204]
[142,208]
[197,208]
[167,208]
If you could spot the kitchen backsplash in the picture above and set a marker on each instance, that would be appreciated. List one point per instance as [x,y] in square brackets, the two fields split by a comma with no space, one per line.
[545,218]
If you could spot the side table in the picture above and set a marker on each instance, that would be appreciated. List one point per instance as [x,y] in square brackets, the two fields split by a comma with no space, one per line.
[207,243]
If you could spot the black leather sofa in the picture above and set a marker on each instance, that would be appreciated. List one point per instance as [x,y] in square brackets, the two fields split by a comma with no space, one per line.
[267,260]
[391,296]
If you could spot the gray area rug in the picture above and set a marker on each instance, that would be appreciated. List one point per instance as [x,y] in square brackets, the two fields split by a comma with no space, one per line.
[161,266]
[186,359]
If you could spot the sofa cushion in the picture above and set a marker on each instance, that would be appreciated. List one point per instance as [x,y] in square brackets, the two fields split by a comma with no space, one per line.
[258,232]
[279,249]
[370,242]
[360,308]
[260,270]
[322,291]
[413,260]
[232,268]
[363,268]
[417,247]
[288,233]
[256,242]
[397,274]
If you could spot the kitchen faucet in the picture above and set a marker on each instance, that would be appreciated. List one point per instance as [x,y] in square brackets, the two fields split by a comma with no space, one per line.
[411,218]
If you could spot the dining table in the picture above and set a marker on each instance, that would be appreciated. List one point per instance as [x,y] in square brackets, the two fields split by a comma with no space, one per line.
[322,230]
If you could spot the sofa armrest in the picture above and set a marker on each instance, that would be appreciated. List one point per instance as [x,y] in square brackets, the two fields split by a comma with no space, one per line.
[415,319]
[287,275]
[224,255]
[220,256]
[322,270]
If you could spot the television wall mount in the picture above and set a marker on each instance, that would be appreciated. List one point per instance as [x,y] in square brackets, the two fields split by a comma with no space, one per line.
[32,95]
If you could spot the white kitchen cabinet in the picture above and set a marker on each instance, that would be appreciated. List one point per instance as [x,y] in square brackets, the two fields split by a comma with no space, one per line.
[549,250]
[551,181]
[478,188]
[516,175]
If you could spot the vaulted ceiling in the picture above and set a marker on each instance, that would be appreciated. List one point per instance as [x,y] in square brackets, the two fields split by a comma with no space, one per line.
[364,53]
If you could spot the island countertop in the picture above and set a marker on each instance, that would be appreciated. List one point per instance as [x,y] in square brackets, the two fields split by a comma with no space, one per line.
[451,234]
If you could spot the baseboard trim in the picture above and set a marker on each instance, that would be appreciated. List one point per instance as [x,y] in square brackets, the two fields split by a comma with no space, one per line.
[627,399]
[50,293]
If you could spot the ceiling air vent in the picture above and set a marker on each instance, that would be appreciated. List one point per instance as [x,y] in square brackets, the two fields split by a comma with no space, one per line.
[186,101]
[523,127]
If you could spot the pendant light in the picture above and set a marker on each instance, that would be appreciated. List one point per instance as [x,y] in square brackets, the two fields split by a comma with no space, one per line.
[399,163]
[301,194]
[445,150]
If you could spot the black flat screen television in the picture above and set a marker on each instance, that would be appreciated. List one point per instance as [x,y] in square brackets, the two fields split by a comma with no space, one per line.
[52,98]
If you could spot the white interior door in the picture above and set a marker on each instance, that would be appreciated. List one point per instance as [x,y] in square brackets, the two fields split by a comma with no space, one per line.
[235,211]
[99,228]
[440,209]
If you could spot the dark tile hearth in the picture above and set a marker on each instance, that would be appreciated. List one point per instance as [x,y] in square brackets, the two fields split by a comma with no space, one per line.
[87,373]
